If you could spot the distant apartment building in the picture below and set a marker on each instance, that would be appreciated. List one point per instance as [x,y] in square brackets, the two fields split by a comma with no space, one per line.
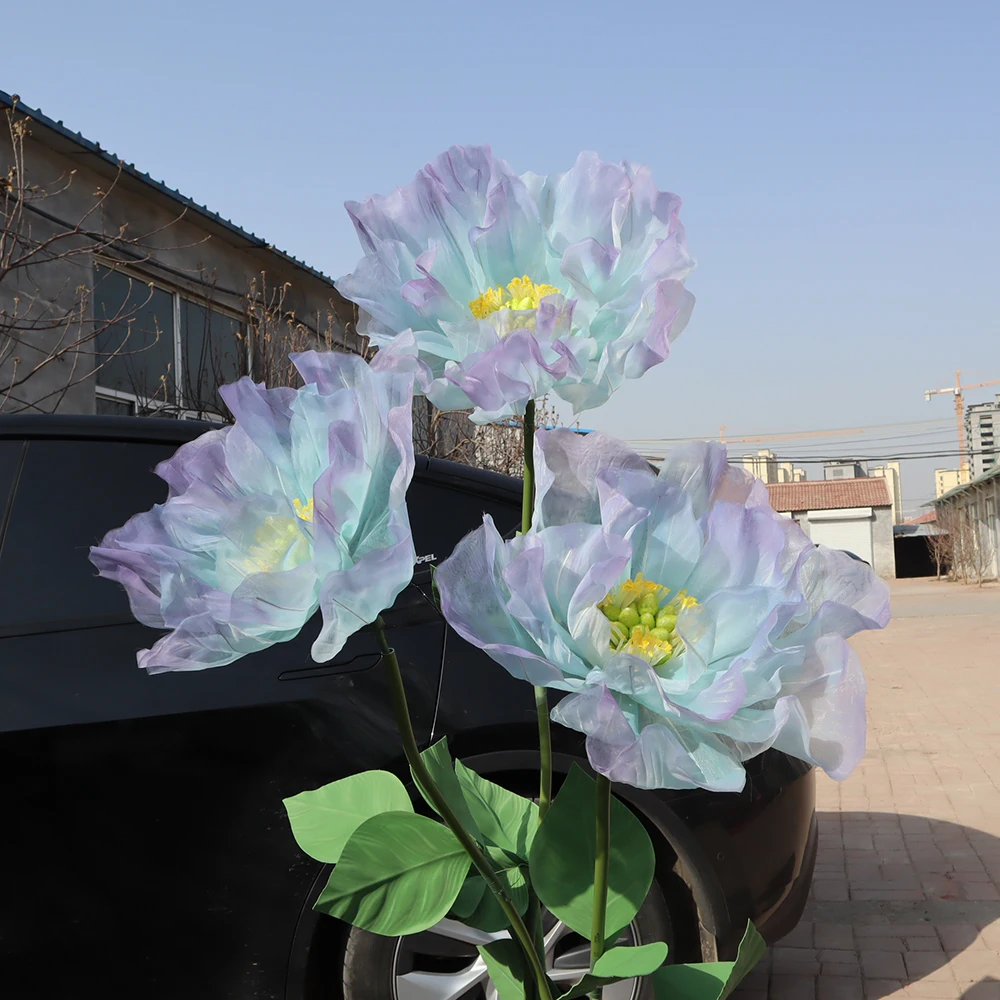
[945,480]
[789,473]
[845,468]
[981,421]
[890,473]
[765,465]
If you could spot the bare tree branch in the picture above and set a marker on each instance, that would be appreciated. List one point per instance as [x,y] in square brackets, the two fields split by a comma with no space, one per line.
[47,316]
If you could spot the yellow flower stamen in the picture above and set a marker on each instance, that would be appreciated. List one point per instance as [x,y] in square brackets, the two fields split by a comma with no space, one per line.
[643,642]
[304,510]
[520,294]
[279,540]
[273,542]
[633,591]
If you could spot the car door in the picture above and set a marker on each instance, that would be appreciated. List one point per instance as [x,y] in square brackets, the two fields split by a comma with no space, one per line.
[146,852]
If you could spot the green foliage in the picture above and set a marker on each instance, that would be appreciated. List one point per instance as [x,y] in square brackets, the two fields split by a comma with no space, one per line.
[506,819]
[562,859]
[617,964]
[709,980]
[486,915]
[437,760]
[626,962]
[398,874]
[589,984]
[324,819]
[469,898]
[476,904]
[514,876]
[506,967]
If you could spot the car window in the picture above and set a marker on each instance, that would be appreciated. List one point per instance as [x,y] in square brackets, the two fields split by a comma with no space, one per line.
[68,495]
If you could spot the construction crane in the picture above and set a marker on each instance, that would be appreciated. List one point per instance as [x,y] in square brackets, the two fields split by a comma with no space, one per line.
[957,389]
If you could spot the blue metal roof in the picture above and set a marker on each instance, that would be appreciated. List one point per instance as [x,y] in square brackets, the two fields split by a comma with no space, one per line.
[94,148]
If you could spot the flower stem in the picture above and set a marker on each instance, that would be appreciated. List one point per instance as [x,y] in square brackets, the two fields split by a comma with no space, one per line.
[541,698]
[469,845]
[545,751]
[602,858]
[528,497]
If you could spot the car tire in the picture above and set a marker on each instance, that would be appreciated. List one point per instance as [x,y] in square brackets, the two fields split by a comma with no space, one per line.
[372,962]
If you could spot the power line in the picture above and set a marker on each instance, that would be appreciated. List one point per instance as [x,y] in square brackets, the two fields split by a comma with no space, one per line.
[814,459]
[774,435]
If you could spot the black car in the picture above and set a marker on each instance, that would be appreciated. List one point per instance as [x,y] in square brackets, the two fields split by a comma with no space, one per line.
[145,849]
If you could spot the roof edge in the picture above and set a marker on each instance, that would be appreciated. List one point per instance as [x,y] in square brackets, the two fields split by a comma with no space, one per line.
[955,490]
[14,102]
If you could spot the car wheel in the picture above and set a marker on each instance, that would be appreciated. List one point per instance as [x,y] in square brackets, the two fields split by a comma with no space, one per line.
[443,964]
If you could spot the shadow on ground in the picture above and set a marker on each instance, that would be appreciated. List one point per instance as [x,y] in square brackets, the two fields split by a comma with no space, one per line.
[896,900]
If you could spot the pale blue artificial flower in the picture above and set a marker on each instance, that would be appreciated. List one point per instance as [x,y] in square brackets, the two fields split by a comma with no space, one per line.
[299,506]
[494,288]
[693,626]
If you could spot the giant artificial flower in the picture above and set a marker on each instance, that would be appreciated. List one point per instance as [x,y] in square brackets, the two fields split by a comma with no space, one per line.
[495,288]
[299,506]
[692,625]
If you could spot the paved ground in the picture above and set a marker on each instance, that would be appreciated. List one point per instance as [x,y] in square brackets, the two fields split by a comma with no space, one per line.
[905,902]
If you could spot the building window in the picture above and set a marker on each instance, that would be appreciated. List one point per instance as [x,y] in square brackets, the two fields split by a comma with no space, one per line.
[213,347]
[108,403]
[159,351]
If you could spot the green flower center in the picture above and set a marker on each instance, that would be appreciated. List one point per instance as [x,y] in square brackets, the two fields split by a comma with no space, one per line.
[644,619]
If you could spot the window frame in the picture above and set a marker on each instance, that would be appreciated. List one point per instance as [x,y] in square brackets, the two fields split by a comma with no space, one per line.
[176,406]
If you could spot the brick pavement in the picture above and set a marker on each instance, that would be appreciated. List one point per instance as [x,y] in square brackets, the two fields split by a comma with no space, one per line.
[905,901]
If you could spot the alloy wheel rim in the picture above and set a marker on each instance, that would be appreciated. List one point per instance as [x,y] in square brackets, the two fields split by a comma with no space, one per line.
[442,963]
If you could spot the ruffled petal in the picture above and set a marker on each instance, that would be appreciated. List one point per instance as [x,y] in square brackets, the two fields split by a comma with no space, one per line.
[757,658]
[657,757]
[567,488]
[601,234]
[306,490]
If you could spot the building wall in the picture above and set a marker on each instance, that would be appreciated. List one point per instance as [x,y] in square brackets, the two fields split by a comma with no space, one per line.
[971,516]
[982,432]
[763,465]
[789,473]
[182,253]
[890,473]
[945,480]
[882,544]
[846,469]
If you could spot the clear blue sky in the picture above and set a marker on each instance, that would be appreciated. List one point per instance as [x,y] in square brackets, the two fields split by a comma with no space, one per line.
[838,161]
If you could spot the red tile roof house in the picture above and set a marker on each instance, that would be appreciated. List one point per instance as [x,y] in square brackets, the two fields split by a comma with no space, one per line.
[851,514]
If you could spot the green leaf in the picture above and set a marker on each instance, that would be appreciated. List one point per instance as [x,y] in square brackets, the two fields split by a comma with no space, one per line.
[506,967]
[505,818]
[398,874]
[562,859]
[709,980]
[618,964]
[487,914]
[438,760]
[515,881]
[588,984]
[627,962]
[469,897]
[324,819]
